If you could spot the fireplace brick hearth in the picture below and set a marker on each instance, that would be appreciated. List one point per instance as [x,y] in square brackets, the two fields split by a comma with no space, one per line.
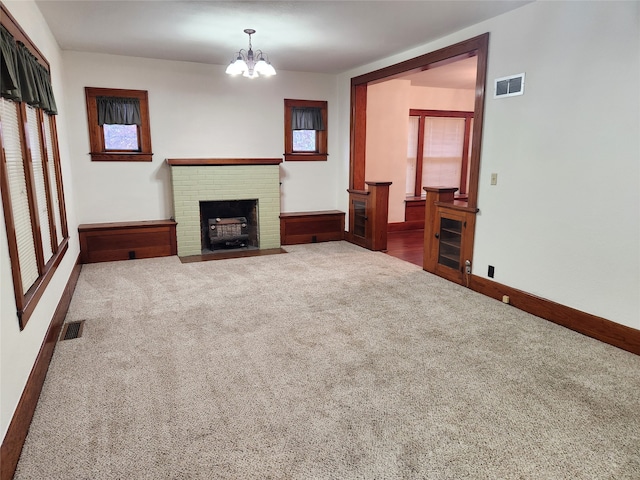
[196,180]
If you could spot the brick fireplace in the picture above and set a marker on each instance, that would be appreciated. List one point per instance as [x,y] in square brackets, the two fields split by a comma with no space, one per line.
[218,179]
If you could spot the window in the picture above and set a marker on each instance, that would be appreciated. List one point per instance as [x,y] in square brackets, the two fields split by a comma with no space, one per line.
[118,125]
[31,180]
[438,150]
[305,130]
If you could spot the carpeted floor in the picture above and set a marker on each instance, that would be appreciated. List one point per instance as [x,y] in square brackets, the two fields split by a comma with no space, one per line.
[327,362]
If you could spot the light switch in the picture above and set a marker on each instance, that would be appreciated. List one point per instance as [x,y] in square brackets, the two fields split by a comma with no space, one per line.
[494,179]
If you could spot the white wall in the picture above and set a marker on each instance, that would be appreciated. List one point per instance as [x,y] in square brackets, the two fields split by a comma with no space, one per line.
[195,111]
[19,349]
[563,222]
[388,105]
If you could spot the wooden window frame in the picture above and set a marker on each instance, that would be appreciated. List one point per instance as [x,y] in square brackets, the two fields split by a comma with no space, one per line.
[96,133]
[321,153]
[422,114]
[26,301]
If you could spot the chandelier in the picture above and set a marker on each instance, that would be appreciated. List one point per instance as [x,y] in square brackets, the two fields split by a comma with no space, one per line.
[250,64]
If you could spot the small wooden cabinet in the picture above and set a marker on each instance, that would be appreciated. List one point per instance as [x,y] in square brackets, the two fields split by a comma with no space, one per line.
[448,234]
[368,216]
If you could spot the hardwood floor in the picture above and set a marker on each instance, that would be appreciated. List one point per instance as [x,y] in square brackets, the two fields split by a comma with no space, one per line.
[406,245]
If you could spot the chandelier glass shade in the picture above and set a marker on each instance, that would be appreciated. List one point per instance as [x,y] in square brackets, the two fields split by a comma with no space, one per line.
[250,64]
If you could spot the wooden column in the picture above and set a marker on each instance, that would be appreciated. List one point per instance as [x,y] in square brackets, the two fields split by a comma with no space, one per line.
[378,213]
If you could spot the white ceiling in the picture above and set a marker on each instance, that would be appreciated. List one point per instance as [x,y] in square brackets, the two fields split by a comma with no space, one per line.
[309,36]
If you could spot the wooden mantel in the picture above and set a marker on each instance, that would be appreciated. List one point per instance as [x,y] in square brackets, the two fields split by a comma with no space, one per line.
[196,162]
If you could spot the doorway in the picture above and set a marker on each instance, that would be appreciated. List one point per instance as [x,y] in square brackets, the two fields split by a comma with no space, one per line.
[475,48]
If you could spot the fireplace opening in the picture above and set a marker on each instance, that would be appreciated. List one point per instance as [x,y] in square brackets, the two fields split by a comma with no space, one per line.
[229,224]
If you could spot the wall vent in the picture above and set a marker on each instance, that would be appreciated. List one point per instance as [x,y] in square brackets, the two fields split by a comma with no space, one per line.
[509,86]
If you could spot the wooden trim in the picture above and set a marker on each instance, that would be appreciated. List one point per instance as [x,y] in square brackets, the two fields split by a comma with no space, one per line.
[414,112]
[121,157]
[321,153]
[53,239]
[95,227]
[200,162]
[404,226]
[606,331]
[99,152]
[58,168]
[305,157]
[475,46]
[27,160]
[358,134]
[18,428]
[417,185]
[33,295]
[418,63]
[19,35]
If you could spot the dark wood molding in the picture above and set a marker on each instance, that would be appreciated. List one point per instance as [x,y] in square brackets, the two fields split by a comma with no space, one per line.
[21,420]
[33,295]
[478,46]
[321,153]
[203,162]
[606,331]
[358,144]
[405,226]
[99,153]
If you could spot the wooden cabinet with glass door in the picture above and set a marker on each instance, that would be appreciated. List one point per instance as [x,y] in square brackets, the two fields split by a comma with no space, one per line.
[453,242]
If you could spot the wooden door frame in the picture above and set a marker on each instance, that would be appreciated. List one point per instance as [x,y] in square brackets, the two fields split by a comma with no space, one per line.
[478,46]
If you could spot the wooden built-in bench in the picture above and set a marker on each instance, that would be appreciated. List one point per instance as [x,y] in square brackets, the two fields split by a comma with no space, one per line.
[311,227]
[107,242]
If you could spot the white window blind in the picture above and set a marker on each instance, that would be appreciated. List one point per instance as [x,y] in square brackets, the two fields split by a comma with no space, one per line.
[443,145]
[53,187]
[412,155]
[16,180]
[40,185]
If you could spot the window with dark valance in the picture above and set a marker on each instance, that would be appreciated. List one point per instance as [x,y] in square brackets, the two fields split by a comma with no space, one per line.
[30,174]
[305,130]
[23,78]
[119,129]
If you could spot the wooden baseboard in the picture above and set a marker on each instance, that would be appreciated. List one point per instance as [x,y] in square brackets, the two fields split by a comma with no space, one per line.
[408,225]
[620,336]
[19,426]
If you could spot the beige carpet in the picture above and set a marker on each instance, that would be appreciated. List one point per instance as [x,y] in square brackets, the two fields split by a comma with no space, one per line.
[328,362]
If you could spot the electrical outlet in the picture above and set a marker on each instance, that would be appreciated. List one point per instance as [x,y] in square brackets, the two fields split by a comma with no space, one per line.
[494,179]
[491,271]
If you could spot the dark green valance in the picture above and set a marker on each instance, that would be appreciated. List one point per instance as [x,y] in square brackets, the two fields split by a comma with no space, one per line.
[306,118]
[22,77]
[118,111]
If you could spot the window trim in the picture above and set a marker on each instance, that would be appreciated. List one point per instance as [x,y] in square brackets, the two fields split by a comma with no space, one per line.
[26,301]
[321,135]
[422,114]
[96,134]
